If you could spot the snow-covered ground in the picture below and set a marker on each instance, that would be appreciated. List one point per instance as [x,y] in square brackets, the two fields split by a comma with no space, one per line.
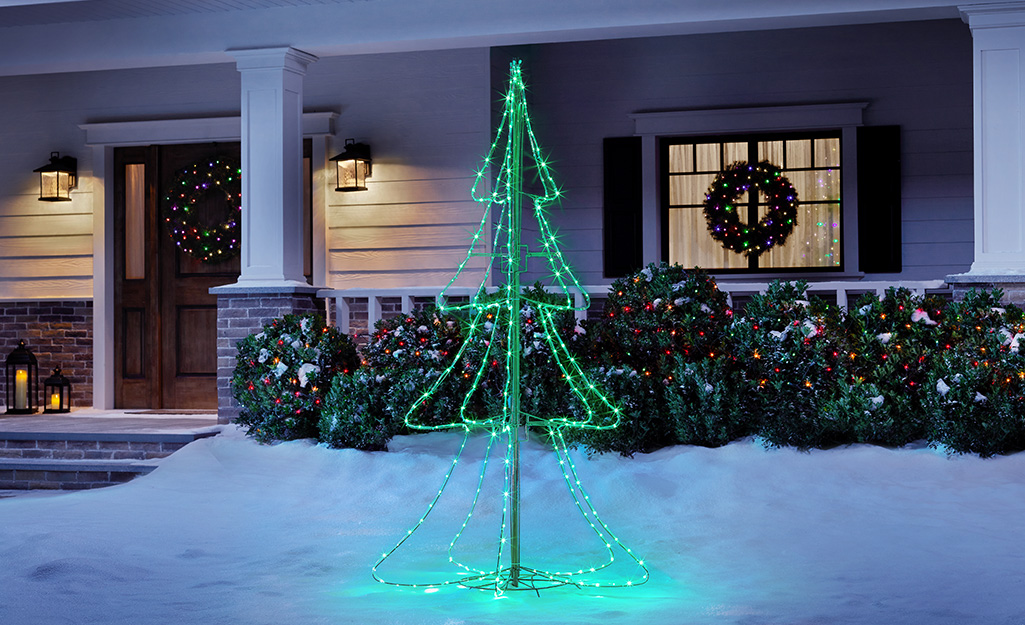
[228,531]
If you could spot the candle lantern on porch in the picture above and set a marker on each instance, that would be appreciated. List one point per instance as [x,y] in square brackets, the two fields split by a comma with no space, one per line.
[57,393]
[57,178]
[352,167]
[22,378]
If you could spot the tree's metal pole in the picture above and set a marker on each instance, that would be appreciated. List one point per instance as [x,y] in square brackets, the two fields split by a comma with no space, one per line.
[515,268]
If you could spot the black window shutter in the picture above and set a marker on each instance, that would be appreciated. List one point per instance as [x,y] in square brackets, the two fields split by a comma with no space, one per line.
[879,235]
[621,233]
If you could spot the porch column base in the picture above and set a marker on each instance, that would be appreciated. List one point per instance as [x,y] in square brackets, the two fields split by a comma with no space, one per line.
[244,310]
[1013,285]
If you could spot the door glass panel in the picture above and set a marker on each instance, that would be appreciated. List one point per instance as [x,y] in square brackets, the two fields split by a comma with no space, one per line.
[135,221]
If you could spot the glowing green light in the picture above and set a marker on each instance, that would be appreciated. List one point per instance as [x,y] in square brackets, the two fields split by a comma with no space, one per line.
[497,320]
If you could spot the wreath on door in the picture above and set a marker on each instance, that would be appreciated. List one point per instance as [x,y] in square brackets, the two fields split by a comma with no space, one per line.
[723,214]
[210,238]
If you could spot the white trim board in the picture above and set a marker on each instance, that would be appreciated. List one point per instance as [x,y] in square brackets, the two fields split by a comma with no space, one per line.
[199,130]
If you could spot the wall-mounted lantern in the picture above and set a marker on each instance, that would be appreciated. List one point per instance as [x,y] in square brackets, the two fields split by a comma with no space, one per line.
[58,178]
[352,167]
[57,393]
[22,378]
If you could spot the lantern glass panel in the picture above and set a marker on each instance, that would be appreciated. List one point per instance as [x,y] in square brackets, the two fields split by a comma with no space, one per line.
[21,394]
[22,381]
[55,185]
[352,175]
[57,393]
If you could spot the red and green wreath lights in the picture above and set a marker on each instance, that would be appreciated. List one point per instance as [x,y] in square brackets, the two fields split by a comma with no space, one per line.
[207,243]
[724,214]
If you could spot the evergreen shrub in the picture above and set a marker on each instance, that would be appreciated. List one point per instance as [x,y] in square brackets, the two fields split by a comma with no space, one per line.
[659,324]
[283,372]
[405,356]
[978,398]
[794,367]
[671,353]
[356,414]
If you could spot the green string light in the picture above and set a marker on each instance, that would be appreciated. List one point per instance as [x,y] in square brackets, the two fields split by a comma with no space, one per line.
[495,320]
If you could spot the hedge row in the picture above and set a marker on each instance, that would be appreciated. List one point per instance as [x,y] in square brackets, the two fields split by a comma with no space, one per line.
[683,366]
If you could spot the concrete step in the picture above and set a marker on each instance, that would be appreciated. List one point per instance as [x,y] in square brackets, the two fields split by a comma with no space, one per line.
[68,474]
[79,460]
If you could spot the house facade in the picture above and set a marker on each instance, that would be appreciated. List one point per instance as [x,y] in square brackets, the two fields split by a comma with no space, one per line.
[899,122]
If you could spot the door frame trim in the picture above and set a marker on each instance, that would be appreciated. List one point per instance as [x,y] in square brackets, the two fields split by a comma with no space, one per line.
[102,138]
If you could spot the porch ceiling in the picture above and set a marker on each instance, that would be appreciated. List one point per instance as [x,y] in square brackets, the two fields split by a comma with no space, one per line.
[44,36]
[38,12]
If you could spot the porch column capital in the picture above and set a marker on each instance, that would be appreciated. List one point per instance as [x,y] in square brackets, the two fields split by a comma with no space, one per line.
[998,36]
[993,14]
[272,96]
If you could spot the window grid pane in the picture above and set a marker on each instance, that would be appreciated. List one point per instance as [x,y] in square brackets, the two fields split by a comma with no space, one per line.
[708,156]
[827,152]
[771,151]
[681,158]
[689,189]
[734,152]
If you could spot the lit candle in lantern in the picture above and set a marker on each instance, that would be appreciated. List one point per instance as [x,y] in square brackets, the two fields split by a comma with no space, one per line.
[20,389]
[55,401]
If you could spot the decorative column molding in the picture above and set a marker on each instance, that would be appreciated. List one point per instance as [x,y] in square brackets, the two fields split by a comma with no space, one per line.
[998,35]
[272,94]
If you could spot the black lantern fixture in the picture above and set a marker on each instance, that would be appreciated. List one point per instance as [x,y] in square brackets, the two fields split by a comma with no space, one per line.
[58,178]
[352,167]
[22,377]
[57,393]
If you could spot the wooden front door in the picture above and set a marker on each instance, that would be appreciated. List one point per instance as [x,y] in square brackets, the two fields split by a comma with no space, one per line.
[165,323]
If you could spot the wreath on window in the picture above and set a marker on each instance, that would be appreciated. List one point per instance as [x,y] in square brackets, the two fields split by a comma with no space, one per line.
[723,214]
[194,233]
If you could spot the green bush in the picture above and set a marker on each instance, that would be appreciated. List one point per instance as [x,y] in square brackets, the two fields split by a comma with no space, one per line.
[282,373]
[414,352]
[643,425]
[654,322]
[707,403]
[892,344]
[669,352]
[978,398]
[660,314]
[793,366]
[355,412]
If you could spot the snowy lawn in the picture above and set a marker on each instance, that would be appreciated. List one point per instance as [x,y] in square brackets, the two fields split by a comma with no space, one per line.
[229,531]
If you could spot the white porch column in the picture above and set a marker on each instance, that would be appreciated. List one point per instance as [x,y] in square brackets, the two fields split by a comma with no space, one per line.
[272,98]
[998,34]
[271,283]
[998,37]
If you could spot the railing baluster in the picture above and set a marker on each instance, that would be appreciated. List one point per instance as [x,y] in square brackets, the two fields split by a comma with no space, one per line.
[374,297]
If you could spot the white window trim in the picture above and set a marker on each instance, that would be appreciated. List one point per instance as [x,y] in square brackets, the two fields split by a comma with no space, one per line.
[846,116]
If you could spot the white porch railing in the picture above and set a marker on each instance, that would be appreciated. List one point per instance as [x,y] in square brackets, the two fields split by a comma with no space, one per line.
[345,306]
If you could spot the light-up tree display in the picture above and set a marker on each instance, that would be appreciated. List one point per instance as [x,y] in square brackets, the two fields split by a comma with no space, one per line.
[493,340]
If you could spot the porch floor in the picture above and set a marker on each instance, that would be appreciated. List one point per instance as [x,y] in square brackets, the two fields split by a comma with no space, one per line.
[92,421]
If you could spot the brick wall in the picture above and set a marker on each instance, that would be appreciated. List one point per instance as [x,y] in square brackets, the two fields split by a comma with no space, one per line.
[238,316]
[60,334]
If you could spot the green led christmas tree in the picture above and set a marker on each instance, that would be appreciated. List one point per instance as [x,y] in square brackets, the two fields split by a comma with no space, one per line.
[493,341]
